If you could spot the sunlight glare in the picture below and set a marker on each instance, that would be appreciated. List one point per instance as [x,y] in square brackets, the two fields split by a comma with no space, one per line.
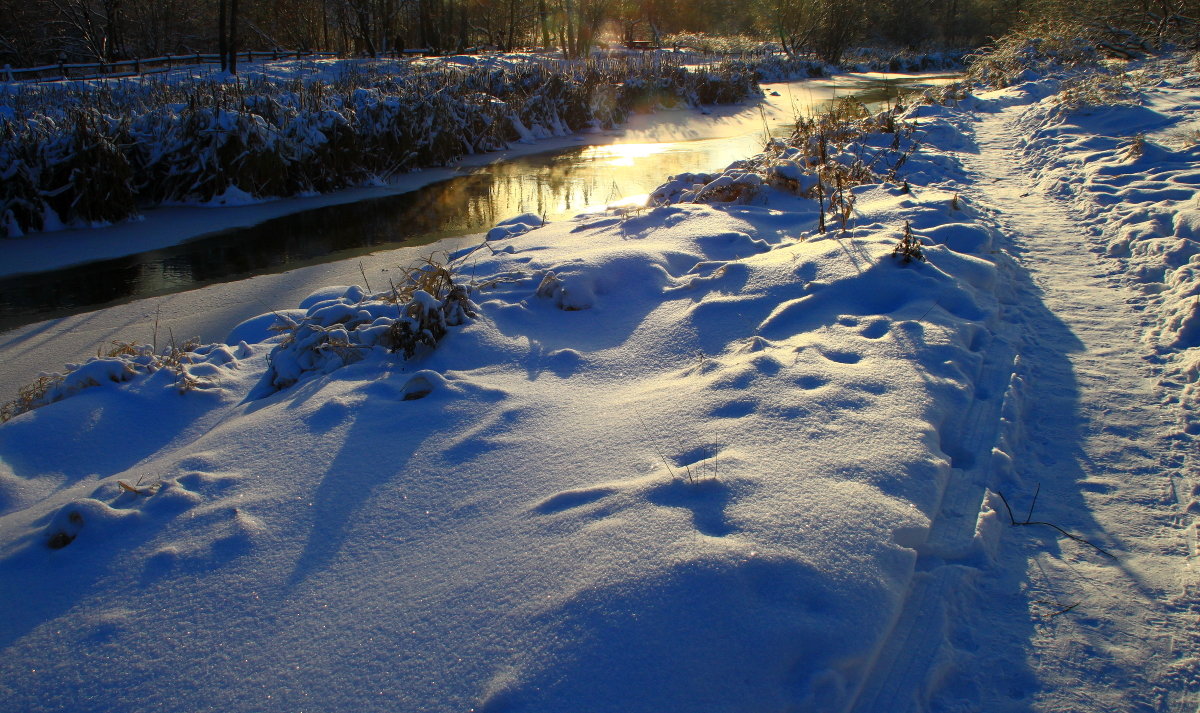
[623,154]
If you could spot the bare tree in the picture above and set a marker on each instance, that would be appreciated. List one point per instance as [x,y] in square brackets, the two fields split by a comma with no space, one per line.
[82,29]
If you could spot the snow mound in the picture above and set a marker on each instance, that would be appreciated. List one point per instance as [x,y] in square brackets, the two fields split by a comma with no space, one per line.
[709,427]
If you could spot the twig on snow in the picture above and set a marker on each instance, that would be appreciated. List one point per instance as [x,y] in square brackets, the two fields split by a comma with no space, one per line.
[1029,521]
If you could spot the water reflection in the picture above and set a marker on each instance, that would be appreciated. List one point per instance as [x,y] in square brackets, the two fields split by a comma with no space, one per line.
[551,185]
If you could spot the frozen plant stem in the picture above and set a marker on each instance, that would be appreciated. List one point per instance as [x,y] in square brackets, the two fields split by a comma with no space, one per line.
[670,470]
[1029,521]
[363,271]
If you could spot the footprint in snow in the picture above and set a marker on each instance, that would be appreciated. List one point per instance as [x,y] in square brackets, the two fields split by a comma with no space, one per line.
[808,382]
[571,499]
[734,409]
[695,485]
[841,357]
[877,329]
[706,499]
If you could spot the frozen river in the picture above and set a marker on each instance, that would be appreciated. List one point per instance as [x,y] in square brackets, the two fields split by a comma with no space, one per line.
[199,271]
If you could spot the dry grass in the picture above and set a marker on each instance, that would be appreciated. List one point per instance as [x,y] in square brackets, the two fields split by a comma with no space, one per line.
[1137,146]
[138,359]
[431,274]
[1096,88]
[424,321]
[30,396]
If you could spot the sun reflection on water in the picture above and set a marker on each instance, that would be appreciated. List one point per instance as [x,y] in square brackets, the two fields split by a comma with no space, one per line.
[623,154]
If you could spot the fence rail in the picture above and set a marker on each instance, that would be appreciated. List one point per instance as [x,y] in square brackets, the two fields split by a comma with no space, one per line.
[154,65]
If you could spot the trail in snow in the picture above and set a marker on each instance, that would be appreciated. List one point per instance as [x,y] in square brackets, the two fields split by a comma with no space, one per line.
[1067,627]
[1101,448]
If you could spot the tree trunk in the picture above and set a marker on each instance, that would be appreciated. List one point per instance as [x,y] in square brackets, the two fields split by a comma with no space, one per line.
[325,26]
[510,40]
[571,46]
[112,29]
[233,38]
[364,28]
[222,37]
[464,27]
[424,31]
[544,23]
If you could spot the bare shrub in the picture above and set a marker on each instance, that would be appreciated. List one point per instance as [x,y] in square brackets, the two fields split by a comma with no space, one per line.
[909,247]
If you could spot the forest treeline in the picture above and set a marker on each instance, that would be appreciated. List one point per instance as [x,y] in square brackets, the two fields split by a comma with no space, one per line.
[47,31]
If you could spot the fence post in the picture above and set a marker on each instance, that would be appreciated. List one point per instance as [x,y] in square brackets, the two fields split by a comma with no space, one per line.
[9,73]
[137,66]
[168,60]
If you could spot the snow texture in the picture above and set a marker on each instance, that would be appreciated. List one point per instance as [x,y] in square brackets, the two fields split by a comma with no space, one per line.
[697,456]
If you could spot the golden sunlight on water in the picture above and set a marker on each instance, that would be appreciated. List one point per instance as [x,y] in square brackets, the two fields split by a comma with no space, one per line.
[622,154]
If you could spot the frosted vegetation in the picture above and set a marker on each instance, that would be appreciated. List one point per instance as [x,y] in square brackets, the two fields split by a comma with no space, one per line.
[88,153]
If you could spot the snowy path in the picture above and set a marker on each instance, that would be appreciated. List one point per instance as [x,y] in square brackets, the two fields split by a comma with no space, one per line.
[1064,627]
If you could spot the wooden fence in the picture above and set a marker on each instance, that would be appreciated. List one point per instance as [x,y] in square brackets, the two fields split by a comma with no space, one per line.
[155,65]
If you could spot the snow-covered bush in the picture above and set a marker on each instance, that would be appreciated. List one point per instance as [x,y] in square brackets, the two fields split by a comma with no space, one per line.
[884,60]
[726,84]
[825,157]
[208,150]
[777,67]
[1095,89]
[781,68]
[340,329]
[327,152]
[22,208]
[94,173]
[1036,49]
[1053,46]
[717,44]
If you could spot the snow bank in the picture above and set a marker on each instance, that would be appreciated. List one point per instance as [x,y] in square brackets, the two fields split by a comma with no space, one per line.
[683,457]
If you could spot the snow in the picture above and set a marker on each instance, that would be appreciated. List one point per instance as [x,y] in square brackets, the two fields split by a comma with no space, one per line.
[693,456]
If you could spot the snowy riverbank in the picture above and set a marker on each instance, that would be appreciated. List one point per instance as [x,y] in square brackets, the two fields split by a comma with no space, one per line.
[702,456]
[98,152]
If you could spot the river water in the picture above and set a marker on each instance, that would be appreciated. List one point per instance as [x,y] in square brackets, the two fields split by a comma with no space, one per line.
[619,166]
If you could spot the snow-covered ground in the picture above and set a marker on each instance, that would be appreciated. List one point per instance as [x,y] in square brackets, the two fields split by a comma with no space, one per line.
[696,457]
